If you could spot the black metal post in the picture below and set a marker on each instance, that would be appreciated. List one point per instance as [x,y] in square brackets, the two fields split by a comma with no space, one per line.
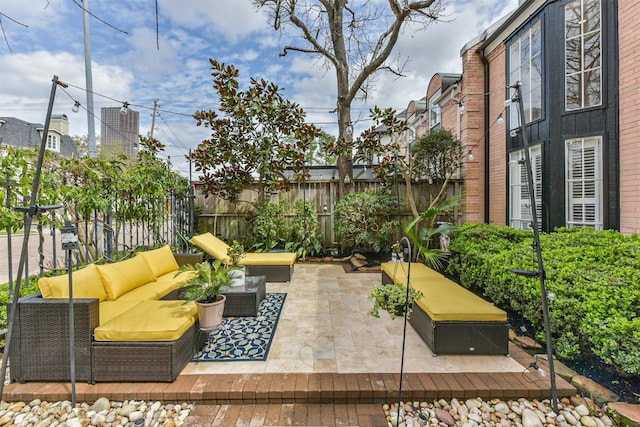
[69,240]
[536,235]
[32,210]
[404,330]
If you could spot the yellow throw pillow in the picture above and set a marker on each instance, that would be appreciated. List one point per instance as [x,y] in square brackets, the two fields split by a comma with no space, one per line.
[161,260]
[122,276]
[86,284]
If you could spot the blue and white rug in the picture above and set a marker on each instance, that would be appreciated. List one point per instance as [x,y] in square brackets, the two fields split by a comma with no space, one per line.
[244,338]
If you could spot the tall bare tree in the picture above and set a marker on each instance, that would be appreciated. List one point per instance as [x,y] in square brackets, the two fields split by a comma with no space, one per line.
[354,39]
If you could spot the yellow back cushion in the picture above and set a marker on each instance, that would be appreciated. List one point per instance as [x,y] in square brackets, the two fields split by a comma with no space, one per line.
[161,260]
[87,283]
[122,276]
[211,245]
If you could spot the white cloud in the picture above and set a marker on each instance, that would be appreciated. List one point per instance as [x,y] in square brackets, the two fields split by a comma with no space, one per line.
[231,18]
[130,67]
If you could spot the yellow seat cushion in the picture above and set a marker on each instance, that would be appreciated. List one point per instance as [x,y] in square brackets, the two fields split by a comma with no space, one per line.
[111,309]
[161,260]
[149,321]
[398,271]
[269,258]
[121,277]
[446,300]
[218,249]
[87,283]
[442,298]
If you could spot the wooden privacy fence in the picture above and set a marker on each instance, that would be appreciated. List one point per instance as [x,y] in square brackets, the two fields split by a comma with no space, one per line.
[228,220]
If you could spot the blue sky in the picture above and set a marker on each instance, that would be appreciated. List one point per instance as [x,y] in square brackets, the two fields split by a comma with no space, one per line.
[129,67]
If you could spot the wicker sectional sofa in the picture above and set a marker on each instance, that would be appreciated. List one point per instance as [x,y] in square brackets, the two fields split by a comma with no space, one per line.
[448,317]
[129,324]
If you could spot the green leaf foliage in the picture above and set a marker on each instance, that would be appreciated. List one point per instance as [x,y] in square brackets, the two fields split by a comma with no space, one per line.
[594,277]
[363,221]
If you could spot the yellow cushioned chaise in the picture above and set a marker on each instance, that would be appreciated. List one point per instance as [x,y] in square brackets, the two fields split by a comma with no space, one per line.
[448,317]
[276,266]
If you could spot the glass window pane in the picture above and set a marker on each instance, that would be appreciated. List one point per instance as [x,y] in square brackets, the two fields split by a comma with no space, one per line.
[536,71]
[593,88]
[573,55]
[536,39]
[524,49]
[514,56]
[573,92]
[592,50]
[591,16]
[572,19]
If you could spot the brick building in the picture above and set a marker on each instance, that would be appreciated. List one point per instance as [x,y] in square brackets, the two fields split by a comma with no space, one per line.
[577,62]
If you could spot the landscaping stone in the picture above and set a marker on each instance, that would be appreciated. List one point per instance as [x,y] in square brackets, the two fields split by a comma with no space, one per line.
[595,391]
[629,413]
[498,413]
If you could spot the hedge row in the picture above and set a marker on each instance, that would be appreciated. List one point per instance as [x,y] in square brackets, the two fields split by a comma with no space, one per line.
[592,278]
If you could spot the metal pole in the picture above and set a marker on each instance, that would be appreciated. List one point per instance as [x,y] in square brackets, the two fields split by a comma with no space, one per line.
[541,273]
[32,210]
[9,249]
[91,127]
[404,330]
[69,240]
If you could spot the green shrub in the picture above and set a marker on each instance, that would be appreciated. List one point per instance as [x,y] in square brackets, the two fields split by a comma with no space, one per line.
[593,275]
[363,221]
[293,228]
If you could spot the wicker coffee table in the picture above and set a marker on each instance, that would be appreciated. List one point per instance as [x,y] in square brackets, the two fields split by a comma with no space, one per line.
[244,300]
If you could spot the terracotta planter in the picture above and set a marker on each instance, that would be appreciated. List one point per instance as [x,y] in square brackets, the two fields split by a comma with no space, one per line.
[210,314]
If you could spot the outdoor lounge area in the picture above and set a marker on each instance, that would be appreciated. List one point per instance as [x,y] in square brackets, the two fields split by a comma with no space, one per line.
[326,348]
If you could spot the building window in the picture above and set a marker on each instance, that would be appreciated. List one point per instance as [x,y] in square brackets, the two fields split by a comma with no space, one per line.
[525,66]
[520,201]
[52,142]
[584,182]
[434,111]
[583,64]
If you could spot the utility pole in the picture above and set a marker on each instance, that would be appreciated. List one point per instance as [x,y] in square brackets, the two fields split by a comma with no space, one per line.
[91,126]
[153,117]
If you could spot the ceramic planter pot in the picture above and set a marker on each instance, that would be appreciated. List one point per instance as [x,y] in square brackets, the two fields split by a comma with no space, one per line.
[210,314]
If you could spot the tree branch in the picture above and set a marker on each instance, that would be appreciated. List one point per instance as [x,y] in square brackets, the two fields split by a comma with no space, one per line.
[286,49]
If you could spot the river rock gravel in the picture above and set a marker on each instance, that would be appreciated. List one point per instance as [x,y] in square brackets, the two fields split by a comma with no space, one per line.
[574,412]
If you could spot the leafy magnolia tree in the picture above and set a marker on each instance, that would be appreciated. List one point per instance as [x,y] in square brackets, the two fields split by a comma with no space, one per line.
[257,133]
[435,157]
[355,39]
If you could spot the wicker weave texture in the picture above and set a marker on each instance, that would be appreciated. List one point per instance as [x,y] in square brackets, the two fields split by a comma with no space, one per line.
[146,361]
[43,339]
[245,303]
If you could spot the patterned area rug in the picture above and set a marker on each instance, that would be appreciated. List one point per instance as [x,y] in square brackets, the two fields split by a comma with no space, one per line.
[244,338]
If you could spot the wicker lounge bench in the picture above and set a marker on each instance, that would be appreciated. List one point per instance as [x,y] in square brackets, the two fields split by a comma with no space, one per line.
[450,318]
[128,325]
[276,266]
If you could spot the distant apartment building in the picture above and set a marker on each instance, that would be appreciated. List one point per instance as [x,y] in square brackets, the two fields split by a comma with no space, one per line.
[119,132]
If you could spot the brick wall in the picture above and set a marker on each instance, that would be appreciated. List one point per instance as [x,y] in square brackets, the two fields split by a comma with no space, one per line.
[629,34]
[498,212]
[472,136]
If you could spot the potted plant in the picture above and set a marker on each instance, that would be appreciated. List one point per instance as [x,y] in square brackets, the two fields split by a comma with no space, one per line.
[205,288]
[392,298]
[235,253]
